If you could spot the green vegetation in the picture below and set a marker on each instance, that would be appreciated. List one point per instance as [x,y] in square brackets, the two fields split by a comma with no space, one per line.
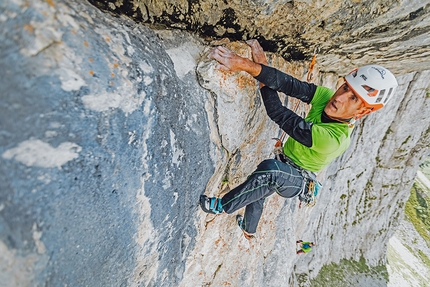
[387,133]
[424,258]
[403,269]
[351,273]
[425,167]
[225,177]
[417,211]
[406,140]
[346,273]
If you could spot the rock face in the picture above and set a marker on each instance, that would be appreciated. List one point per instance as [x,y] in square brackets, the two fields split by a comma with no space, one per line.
[394,33]
[104,149]
[110,130]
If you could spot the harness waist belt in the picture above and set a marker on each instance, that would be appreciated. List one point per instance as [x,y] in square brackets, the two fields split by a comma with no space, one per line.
[305,173]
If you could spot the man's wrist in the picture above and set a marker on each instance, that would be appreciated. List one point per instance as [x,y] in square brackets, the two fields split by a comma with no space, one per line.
[252,68]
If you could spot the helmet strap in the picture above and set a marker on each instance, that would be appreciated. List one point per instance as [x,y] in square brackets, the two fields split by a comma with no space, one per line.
[363,113]
[352,122]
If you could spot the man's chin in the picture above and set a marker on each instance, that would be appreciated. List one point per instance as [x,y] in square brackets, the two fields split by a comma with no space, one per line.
[329,112]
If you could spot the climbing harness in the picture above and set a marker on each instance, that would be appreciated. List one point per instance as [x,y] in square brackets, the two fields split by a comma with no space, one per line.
[311,185]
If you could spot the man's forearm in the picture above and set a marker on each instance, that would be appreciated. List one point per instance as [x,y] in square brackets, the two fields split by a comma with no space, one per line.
[294,125]
[287,84]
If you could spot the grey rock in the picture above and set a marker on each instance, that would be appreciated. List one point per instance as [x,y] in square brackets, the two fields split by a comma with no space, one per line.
[345,33]
[110,130]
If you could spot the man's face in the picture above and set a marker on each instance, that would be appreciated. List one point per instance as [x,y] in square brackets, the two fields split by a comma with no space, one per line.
[344,104]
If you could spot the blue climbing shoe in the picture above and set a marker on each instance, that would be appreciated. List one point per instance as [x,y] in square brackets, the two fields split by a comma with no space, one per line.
[211,204]
[239,220]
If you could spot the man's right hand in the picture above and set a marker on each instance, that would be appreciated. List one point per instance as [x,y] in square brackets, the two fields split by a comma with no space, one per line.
[230,61]
[257,54]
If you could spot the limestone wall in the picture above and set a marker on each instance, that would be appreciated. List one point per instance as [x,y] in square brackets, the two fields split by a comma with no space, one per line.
[394,33]
[110,130]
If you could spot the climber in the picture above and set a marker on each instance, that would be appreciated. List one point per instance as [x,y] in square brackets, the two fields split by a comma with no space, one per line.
[313,141]
[305,247]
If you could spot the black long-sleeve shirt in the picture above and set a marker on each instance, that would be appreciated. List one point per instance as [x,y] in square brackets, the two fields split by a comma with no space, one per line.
[293,124]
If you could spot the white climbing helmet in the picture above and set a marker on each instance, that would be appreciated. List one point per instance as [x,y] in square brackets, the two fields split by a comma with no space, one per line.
[374,84]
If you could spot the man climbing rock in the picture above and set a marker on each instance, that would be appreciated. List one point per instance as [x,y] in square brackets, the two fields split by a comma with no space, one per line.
[305,247]
[313,141]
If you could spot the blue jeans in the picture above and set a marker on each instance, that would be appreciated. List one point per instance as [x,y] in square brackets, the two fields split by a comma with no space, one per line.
[270,176]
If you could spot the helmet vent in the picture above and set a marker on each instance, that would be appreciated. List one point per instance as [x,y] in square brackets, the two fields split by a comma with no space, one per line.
[388,96]
[371,92]
[381,96]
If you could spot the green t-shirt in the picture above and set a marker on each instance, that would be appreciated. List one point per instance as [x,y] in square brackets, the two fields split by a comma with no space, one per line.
[329,140]
[306,247]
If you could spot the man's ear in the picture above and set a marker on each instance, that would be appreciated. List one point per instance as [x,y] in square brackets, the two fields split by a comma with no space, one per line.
[362,112]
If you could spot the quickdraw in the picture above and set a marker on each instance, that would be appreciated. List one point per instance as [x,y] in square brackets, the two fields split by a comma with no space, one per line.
[310,76]
[309,193]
